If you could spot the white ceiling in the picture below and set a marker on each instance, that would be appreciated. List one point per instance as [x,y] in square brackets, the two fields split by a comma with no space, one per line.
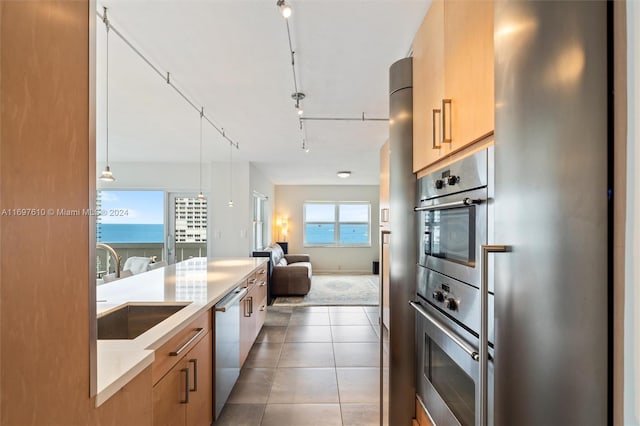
[232,57]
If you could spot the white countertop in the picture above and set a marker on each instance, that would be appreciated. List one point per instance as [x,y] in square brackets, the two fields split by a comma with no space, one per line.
[200,283]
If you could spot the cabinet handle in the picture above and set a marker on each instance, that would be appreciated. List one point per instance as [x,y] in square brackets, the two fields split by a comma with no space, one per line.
[246,312]
[433,136]
[263,283]
[194,361]
[177,352]
[252,281]
[446,139]
[250,306]
[262,271]
[186,386]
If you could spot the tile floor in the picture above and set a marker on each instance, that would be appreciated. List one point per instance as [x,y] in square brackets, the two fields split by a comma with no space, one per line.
[310,366]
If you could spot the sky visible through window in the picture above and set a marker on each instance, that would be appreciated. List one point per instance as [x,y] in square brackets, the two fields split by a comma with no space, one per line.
[130,216]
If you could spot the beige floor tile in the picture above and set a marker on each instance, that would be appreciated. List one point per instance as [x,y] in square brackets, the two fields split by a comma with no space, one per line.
[304,385]
[309,318]
[253,386]
[357,354]
[272,334]
[263,355]
[360,414]
[349,318]
[358,384]
[302,415]
[308,333]
[353,333]
[306,355]
[312,309]
[241,415]
[343,309]
[277,318]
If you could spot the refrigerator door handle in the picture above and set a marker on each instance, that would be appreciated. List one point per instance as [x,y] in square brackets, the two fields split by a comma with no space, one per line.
[484,330]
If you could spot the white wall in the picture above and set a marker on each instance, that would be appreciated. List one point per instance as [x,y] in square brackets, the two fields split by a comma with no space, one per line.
[230,227]
[261,184]
[632,266]
[289,203]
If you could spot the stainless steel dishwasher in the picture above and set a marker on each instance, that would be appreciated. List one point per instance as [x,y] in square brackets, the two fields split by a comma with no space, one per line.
[227,346]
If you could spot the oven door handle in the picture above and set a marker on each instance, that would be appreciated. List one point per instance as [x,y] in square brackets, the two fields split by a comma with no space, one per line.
[468,349]
[464,203]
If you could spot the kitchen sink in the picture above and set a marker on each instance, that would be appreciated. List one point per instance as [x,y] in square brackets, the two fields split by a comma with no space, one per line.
[131,320]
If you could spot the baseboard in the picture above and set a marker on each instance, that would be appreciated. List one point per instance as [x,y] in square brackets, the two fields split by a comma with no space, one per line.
[342,272]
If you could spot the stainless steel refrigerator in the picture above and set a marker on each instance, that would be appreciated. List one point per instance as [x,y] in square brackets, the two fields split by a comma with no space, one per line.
[551,207]
[402,245]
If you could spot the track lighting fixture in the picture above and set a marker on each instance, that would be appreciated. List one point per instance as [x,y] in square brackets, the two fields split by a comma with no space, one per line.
[298,96]
[285,9]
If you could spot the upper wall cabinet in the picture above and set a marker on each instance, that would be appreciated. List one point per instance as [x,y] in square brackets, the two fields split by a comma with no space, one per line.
[428,88]
[453,96]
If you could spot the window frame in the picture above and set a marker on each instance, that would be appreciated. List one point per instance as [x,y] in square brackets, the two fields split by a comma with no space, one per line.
[336,224]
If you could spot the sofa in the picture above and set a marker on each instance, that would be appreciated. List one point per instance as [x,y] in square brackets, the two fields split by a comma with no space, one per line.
[290,274]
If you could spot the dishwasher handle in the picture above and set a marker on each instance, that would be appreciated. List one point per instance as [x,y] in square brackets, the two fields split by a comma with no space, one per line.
[231,299]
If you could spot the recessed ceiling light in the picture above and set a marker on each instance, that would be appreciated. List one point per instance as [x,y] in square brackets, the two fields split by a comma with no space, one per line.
[344,174]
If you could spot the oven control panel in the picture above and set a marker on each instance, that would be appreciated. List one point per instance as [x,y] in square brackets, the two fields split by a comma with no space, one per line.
[444,296]
[453,299]
[469,173]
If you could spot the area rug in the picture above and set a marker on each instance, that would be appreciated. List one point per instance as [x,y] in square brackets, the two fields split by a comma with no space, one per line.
[336,290]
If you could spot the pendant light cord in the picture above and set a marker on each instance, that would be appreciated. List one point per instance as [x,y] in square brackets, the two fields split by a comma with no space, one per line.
[201,115]
[106,24]
[230,174]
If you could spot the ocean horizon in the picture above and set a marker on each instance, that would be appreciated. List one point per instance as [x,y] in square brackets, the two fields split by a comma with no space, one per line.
[130,233]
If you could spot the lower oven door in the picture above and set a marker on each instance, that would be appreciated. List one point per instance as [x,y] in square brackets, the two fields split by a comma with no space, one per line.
[448,370]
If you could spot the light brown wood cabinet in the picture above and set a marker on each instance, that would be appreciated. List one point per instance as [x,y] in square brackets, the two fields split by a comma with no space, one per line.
[253,310]
[453,89]
[183,394]
[428,87]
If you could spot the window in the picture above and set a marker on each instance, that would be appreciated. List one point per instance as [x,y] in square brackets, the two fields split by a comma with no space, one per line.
[259,225]
[130,216]
[337,224]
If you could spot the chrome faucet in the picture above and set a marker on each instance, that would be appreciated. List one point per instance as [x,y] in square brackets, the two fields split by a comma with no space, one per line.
[113,253]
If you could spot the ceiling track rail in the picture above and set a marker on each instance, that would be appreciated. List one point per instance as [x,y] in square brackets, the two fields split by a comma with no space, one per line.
[167,78]
[362,118]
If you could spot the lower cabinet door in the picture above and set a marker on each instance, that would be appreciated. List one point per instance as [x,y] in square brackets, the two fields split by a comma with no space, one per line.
[169,396]
[199,361]
[184,395]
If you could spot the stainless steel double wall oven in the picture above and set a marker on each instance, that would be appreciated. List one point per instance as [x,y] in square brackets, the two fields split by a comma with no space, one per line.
[453,222]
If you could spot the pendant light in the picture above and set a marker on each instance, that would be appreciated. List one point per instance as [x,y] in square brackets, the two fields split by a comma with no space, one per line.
[230,203]
[200,194]
[106,175]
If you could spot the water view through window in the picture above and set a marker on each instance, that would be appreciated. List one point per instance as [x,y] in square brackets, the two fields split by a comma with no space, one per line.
[340,225]
[130,216]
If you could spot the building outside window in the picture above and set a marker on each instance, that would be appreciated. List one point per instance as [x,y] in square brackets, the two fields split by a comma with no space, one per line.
[337,224]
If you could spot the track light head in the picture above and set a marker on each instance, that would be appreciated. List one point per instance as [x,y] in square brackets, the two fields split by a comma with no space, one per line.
[285,9]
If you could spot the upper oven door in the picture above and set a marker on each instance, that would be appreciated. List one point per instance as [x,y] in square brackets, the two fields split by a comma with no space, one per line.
[452,228]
